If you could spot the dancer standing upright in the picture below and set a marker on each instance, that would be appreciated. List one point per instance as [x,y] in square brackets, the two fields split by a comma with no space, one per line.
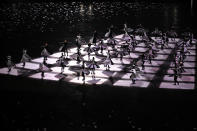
[92,66]
[10,64]
[108,61]
[94,38]
[44,52]
[64,48]
[25,57]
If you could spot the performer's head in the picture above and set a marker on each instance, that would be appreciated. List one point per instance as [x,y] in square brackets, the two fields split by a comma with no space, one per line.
[24,51]
[9,57]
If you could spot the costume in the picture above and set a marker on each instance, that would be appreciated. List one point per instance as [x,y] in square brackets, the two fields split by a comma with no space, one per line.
[108,61]
[25,57]
[45,53]
[63,48]
[133,76]
[92,66]
[42,68]
[10,64]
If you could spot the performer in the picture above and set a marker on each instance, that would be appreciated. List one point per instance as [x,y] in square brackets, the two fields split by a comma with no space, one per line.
[191,37]
[112,42]
[150,54]
[43,69]
[78,56]
[109,33]
[175,76]
[62,62]
[108,61]
[133,76]
[10,64]
[184,51]
[25,57]
[143,61]
[92,67]
[162,44]
[125,28]
[62,65]
[94,39]
[89,50]
[83,72]
[165,39]
[176,60]
[44,52]
[174,35]
[120,52]
[101,46]
[131,47]
[181,67]
[78,41]
[63,48]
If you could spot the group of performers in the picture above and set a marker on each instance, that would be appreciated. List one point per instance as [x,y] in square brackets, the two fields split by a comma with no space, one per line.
[117,48]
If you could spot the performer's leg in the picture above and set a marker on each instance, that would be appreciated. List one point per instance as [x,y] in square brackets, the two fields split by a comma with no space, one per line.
[24,64]
[42,74]
[143,67]
[94,73]
[133,81]
[9,68]
[150,59]
[175,80]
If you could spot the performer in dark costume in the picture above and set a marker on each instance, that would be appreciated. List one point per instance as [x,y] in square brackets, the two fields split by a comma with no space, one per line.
[150,54]
[62,65]
[25,57]
[64,48]
[175,76]
[143,61]
[94,38]
[83,72]
[133,76]
[111,31]
[44,52]
[10,64]
[165,39]
[62,62]
[108,61]
[120,52]
[78,56]
[92,67]
[101,46]
[44,62]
